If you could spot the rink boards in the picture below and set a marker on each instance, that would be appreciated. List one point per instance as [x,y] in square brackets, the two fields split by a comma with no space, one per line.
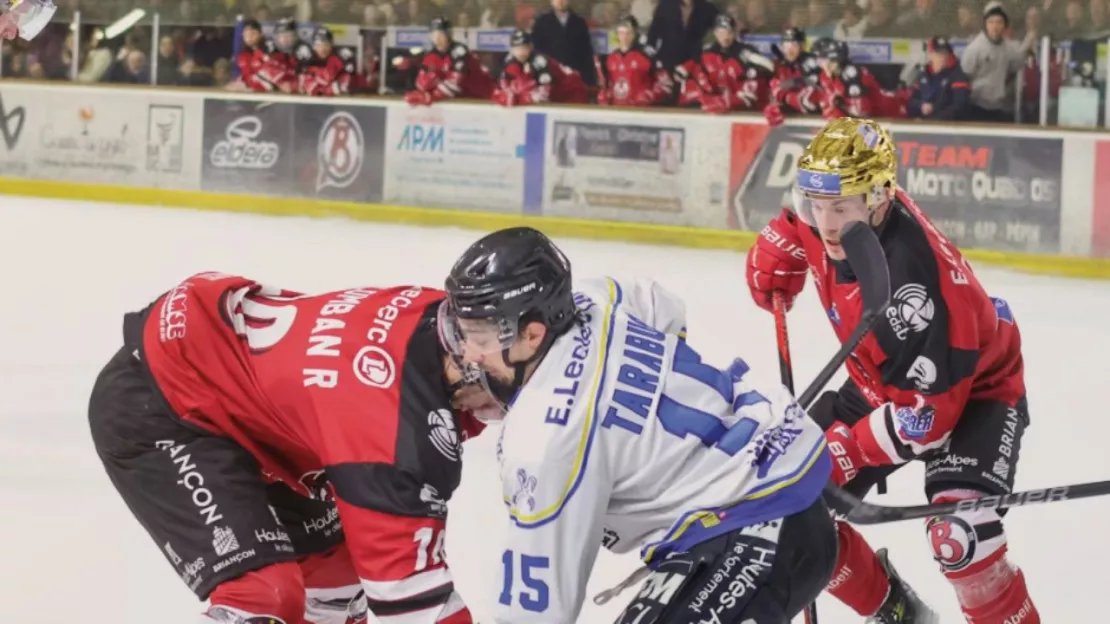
[1029,198]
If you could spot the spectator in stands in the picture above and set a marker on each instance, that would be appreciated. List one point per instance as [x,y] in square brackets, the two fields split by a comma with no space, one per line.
[852,25]
[189,75]
[563,35]
[755,17]
[678,27]
[168,62]
[1033,20]
[967,21]
[642,10]
[880,20]
[922,20]
[1099,20]
[798,17]
[221,73]
[131,69]
[1074,24]
[992,61]
[943,91]
[822,23]
[209,46]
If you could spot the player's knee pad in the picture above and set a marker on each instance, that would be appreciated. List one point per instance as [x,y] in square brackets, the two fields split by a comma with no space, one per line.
[332,588]
[970,547]
[275,592]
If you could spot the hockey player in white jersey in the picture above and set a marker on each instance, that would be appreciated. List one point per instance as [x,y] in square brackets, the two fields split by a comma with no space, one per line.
[618,434]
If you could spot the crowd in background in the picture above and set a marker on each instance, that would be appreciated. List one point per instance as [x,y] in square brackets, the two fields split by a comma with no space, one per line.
[202,55]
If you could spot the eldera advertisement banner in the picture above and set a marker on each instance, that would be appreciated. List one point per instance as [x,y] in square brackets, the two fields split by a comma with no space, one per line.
[247,147]
[987,192]
[617,171]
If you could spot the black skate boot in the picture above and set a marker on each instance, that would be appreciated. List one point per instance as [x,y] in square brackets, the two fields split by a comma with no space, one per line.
[902,605]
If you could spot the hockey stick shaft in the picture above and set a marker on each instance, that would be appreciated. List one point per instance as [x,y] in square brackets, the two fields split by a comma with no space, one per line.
[786,373]
[856,511]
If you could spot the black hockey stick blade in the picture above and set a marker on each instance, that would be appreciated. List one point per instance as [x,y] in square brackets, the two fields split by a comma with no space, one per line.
[856,511]
[868,261]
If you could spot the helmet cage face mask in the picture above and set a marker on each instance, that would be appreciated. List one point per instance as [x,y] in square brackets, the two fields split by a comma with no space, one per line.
[470,338]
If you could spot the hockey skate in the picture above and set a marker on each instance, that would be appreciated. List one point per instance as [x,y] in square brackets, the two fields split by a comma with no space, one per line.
[902,605]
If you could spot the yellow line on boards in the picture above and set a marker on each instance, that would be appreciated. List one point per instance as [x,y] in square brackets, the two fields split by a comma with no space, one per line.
[699,238]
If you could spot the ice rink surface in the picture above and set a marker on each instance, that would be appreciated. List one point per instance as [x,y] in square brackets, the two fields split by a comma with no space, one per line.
[72,552]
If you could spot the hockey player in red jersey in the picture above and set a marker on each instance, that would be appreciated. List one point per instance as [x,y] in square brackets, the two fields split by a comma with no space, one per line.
[632,75]
[939,379]
[729,75]
[851,90]
[533,78]
[288,47]
[261,66]
[331,70]
[291,455]
[448,70]
[796,82]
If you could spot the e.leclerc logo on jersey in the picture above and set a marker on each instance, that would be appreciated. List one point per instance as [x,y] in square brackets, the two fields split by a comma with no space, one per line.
[373,365]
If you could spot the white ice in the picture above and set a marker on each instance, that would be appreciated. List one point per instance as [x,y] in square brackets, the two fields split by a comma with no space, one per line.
[72,552]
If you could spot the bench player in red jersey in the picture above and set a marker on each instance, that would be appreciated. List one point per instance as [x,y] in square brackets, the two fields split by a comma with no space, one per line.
[291,455]
[939,379]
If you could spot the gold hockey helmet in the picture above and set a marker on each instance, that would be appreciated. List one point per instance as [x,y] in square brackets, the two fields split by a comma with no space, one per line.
[850,163]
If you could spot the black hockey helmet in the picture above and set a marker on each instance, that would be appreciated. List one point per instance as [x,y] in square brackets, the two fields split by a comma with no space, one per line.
[793,34]
[322,34]
[629,21]
[285,24]
[724,20]
[504,281]
[831,49]
[519,38]
[440,23]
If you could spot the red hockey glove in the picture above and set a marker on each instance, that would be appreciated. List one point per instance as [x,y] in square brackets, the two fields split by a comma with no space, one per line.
[775,116]
[427,81]
[847,458]
[644,98]
[603,97]
[777,262]
[418,98]
[830,107]
[714,104]
[504,97]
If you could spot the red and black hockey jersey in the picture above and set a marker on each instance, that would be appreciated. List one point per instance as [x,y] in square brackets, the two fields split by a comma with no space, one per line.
[340,394]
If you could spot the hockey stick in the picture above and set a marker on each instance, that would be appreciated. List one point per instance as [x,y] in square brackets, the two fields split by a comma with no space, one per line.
[868,261]
[786,373]
[856,511]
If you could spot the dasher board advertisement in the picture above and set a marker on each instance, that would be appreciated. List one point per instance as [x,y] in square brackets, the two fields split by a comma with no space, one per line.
[248,147]
[983,191]
[617,171]
[129,138]
[458,156]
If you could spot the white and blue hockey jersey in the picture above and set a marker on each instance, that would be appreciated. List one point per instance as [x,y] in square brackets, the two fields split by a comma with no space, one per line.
[624,437]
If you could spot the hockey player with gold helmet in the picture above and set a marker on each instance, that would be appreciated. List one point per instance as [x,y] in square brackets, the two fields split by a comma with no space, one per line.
[939,379]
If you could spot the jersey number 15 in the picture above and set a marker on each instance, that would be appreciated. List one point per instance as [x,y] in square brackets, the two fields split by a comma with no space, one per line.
[535,596]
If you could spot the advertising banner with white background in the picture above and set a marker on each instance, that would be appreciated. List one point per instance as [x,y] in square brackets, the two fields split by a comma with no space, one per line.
[460,156]
[132,138]
[635,168]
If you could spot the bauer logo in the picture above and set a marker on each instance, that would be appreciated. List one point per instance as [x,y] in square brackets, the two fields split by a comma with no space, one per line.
[340,151]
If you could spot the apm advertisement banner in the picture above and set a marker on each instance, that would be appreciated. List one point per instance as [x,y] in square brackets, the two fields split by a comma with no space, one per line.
[461,157]
[248,147]
[81,135]
[982,191]
[617,171]
[339,152]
